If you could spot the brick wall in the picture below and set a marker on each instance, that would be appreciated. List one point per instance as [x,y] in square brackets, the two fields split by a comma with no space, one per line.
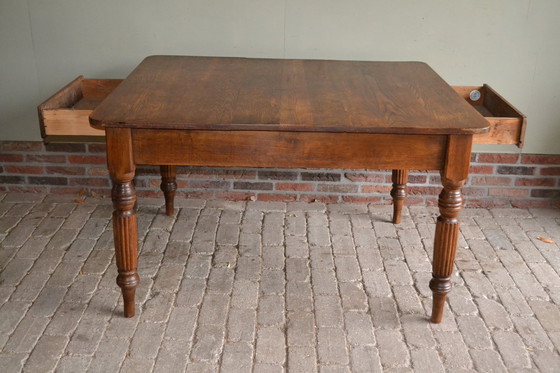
[495,180]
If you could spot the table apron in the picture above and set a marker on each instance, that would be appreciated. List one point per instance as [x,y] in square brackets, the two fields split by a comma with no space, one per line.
[279,149]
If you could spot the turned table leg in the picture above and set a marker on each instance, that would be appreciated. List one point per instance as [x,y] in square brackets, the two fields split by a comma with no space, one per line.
[168,187]
[453,176]
[125,232]
[445,246]
[125,227]
[400,178]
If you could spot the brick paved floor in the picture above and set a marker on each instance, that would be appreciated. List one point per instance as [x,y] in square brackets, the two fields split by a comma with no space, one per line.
[273,287]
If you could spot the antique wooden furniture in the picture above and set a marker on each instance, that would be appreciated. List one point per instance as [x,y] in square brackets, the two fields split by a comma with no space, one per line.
[198,111]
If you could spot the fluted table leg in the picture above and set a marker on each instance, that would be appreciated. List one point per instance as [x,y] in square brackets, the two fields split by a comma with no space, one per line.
[400,178]
[453,176]
[125,228]
[445,246]
[168,187]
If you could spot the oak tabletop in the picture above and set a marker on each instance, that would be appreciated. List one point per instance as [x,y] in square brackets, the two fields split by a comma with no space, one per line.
[217,93]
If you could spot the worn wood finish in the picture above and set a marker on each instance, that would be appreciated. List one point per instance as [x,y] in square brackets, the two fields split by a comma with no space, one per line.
[286,113]
[288,149]
[398,192]
[210,93]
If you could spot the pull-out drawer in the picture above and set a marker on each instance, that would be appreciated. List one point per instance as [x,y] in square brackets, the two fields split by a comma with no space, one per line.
[65,115]
[507,124]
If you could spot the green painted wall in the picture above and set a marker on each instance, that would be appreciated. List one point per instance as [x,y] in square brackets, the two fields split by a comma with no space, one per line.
[510,44]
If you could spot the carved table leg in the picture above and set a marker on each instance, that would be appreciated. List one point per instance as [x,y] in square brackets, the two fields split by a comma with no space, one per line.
[445,246]
[400,178]
[125,232]
[168,187]
[125,228]
[453,176]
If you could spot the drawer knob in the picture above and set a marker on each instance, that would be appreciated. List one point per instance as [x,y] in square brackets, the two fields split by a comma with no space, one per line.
[474,95]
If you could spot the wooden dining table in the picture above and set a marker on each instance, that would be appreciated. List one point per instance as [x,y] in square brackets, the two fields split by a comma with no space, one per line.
[286,113]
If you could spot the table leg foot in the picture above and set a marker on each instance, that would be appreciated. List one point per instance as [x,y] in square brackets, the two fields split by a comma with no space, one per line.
[128,281]
[168,187]
[445,245]
[400,178]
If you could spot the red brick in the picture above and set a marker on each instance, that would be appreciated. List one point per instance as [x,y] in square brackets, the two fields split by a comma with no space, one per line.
[540,159]
[97,148]
[337,188]
[550,171]
[497,158]
[277,175]
[251,185]
[277,197]
[546,193]
[491,180]
[365,177]
[66,148]
[5,179]
[34,170]
[508,192]
[66,170]
[300,187]
[155,183]
[318,198]
[47,180]
[360,199]
[539,181]
[21,146]
[45,158]
[515,170]
[236,174]
[435,180]
[98,171]
[148,171]
[87,159]
[209,184]
[417,179]
[236,196]
[320,176]
[11,158]
[220,173]
[423,190]
[370,189]
[478,169]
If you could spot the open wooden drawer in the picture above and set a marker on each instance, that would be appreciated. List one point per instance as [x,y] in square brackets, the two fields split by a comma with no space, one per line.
[507,124]
[65,115]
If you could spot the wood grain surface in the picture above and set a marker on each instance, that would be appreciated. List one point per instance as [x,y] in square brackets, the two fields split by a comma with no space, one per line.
[207,93]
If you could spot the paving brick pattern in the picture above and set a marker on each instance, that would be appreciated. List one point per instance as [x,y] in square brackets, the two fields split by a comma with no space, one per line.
[274,287]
